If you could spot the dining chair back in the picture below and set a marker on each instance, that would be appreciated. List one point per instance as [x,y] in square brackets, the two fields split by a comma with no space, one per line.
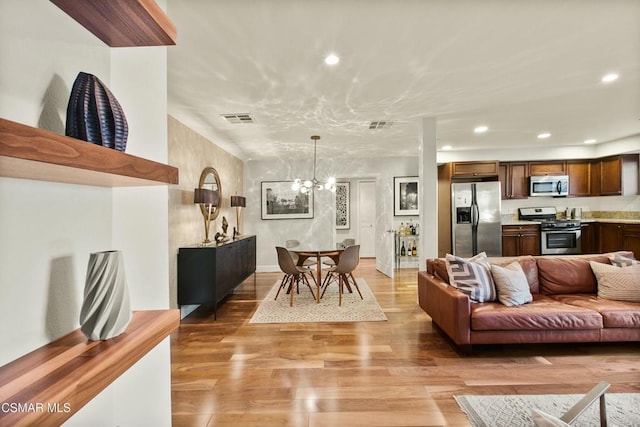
[349,260]
[293,274]
[343,272]
[290,244]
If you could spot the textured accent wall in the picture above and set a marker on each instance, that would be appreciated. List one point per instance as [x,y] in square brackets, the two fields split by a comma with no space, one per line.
[190,152]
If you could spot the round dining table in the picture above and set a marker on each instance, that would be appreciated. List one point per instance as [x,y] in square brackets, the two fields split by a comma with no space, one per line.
[303,254]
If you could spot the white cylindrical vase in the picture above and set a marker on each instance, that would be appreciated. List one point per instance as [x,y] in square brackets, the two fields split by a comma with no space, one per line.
[106,311]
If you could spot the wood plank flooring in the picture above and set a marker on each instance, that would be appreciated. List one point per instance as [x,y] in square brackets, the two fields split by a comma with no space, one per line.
[402,372]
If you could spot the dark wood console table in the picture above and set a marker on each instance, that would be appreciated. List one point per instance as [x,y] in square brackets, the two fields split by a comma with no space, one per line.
[207,274]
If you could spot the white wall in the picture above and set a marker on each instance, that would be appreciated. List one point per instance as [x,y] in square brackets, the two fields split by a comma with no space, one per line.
[48,229]
[319,231]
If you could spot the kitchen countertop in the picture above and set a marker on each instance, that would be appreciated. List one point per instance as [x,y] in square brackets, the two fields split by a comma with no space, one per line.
[587,220]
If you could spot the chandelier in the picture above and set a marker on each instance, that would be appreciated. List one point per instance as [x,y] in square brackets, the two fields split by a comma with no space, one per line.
[308,185]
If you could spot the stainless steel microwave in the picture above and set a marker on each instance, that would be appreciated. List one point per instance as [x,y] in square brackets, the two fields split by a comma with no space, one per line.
[549,185]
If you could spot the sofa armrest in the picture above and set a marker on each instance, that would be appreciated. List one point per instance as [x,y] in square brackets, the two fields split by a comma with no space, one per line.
[449,308]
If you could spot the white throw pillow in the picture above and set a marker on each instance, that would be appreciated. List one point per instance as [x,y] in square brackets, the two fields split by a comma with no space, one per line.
[472,277]
[542,419]
[617,283]
[511,284]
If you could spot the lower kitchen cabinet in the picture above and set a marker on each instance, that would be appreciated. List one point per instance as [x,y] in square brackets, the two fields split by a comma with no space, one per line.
[520,240]
[589,237]
[619,237]
[207,274]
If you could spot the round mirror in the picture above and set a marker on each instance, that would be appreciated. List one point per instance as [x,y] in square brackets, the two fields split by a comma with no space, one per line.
[209,179]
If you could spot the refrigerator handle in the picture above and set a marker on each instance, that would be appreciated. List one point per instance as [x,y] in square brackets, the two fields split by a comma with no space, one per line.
[475,214]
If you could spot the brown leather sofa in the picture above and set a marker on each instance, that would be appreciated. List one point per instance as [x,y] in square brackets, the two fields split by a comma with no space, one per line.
[565,306]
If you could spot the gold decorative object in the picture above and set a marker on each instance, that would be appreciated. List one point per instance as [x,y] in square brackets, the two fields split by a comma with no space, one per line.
[238,202]
[208,200]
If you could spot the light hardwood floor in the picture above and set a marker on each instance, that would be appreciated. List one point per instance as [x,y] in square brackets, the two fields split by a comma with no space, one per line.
[401,372]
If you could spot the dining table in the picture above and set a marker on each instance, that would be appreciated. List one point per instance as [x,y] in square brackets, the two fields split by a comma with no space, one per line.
[303,254]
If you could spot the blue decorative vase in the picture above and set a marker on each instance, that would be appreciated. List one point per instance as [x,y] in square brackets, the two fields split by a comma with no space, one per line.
[95,115]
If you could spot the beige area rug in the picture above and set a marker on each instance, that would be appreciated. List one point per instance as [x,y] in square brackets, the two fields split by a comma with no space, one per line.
[305,308]
[623,409]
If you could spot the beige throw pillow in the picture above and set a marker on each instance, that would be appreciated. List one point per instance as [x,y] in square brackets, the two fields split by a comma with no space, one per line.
[511,284]
[617,283]
[622,261]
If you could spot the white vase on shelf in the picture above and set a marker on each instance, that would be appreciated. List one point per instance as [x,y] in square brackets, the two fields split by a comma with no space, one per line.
[106,311]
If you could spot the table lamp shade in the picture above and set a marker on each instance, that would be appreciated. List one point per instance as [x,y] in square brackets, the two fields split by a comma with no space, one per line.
[238,201]
[206,196]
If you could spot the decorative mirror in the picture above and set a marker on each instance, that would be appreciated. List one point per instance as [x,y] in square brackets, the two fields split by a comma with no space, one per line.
[210,179]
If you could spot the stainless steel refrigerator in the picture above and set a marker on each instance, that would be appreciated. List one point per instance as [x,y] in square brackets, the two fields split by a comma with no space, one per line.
[476,224]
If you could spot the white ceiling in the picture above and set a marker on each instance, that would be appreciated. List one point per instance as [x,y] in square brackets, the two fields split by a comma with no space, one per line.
[520,67]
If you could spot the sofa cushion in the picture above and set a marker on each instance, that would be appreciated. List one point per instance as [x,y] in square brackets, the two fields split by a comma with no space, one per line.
[544,313]
[472,277]
[511,284]
[615,314]
[568,274]
[617,283]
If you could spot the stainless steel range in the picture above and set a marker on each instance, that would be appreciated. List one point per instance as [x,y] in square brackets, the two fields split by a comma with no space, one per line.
[557,236]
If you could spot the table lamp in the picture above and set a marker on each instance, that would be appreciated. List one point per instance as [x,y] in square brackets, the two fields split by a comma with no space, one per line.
[238,202]
[210,200]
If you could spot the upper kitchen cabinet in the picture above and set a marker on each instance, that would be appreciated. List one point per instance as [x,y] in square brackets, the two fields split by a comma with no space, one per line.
[480,169]
[615,176]
[514,179]
[122,23]
[547,168]
[579,172]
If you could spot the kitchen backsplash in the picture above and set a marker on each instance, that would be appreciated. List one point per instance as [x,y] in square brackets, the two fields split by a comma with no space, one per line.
[610,207]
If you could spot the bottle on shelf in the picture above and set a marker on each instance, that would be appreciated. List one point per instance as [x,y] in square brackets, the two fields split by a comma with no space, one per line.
[414,249]
[403,250]
[417,228]
[401,229]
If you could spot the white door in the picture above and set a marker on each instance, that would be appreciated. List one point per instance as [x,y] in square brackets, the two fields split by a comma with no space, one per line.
[367,218]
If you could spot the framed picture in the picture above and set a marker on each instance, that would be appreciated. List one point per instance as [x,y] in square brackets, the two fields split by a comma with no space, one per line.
[279,201]
[342,206]
[405,195]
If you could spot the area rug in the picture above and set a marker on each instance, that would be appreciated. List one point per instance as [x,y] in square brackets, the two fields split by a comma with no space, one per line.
[305,308]
[623,409]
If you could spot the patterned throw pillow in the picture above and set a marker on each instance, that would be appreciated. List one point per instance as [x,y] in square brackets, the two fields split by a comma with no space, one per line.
[511,284]
[622,261]
[617,283]
[472,277]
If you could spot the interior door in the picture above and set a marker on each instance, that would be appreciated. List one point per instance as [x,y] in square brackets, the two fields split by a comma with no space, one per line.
[367,218]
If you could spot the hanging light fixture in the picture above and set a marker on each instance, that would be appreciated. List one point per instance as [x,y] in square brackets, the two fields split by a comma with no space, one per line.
[308,185]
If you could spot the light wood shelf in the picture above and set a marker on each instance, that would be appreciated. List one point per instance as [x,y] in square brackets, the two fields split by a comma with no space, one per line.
[66,374]
[122,23]
[31,153]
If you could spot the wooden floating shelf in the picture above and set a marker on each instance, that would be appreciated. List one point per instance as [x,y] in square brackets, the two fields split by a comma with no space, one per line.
[31,153]
[122,23]
[64,375]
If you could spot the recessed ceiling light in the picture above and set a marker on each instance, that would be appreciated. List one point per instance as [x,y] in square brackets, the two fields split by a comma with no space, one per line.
[481,129]
[608,78]
[331,59]
[590,141]
[446,148]
[544,135]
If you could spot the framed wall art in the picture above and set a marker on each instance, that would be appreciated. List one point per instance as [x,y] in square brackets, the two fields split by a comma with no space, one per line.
[279,201]
[406,197]
[342,206]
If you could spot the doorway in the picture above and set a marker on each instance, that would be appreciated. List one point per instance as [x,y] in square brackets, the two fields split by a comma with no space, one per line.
[367,218]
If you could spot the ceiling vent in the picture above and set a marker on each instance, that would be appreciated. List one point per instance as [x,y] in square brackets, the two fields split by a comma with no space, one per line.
[380,125]
[238,118]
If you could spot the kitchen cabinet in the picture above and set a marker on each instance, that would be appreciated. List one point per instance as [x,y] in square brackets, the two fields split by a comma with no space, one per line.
[547,168]
[207,274]
[589,243]
[579,172]
[520,240]
[619,237]
[615,176]
[514,180]
[478,169]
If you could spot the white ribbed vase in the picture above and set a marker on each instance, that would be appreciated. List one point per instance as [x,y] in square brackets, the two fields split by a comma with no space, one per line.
[106,310]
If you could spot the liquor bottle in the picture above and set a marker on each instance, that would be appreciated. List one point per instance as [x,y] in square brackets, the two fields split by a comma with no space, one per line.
[417,229]
[403,251]
[414,249]
[401,230]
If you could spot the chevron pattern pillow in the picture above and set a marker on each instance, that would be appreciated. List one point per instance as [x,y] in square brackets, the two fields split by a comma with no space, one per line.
[617,283]
[472,277]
